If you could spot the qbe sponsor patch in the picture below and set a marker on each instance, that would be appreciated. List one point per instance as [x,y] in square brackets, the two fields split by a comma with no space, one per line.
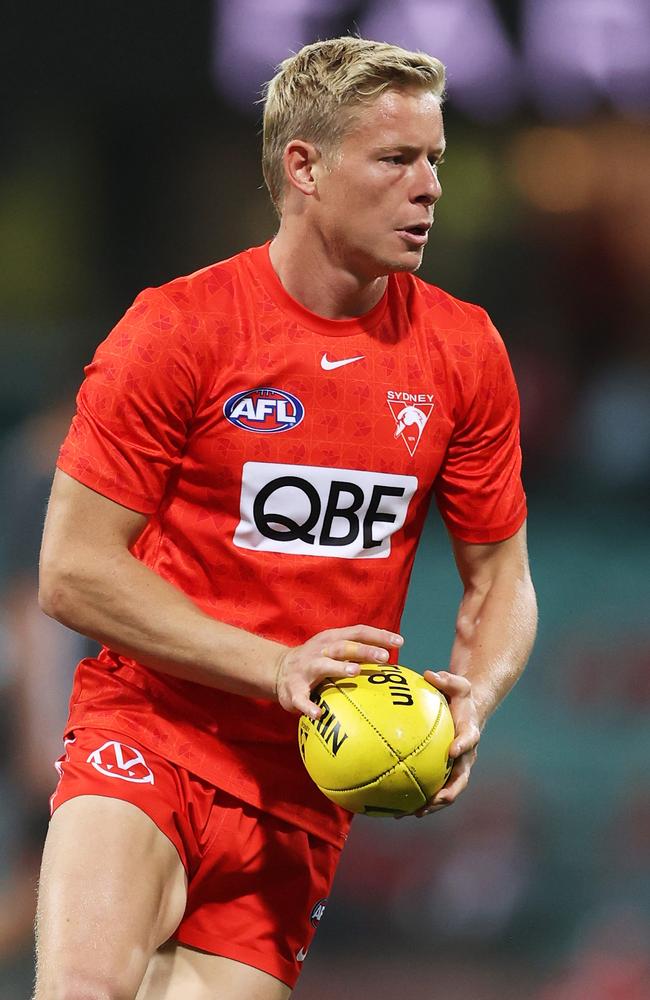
[314,511]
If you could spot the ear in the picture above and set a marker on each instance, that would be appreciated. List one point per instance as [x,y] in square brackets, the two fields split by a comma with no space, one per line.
[300,165]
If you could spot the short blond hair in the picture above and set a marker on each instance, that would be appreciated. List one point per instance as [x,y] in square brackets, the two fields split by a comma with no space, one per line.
[313,94]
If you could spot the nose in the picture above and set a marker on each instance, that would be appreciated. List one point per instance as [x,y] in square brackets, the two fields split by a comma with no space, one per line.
[427,188]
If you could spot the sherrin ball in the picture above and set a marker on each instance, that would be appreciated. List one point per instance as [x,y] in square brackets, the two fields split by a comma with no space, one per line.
[381,745]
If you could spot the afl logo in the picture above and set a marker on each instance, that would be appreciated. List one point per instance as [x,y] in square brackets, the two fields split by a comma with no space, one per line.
[264,411]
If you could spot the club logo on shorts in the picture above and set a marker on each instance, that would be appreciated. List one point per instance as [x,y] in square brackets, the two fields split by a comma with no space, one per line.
[264,410]
[410,411]
[117,760]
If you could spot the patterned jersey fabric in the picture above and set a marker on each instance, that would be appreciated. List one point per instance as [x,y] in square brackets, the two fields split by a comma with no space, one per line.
[286,463]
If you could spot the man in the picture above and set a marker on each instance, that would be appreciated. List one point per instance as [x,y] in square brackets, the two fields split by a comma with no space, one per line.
[247,476]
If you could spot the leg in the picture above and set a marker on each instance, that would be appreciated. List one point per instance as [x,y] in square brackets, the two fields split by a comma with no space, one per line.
[254,903]
[176,971]
[112,890]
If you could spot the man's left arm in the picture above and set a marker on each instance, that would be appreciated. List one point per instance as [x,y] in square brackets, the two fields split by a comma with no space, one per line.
[495,631]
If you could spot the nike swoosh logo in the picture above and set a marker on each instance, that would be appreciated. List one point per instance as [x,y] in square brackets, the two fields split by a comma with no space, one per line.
[301,955]
[329,366]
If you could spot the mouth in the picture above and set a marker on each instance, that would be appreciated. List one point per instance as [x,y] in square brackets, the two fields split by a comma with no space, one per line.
[416,235]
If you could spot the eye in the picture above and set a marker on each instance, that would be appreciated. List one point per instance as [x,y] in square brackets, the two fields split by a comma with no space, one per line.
[435,162]
[397,158]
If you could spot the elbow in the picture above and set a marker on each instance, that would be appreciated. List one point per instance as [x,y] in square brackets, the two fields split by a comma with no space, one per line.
[55,593]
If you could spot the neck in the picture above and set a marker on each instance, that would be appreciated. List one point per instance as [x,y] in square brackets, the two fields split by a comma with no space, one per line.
[312,273]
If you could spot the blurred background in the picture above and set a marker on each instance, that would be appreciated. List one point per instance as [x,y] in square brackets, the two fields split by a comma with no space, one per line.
[129,155]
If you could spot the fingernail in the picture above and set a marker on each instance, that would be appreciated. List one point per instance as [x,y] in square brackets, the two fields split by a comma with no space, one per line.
[351,670]
[396,640]
[381,654]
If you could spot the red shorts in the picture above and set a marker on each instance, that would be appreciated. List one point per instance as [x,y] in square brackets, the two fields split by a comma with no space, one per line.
[257,885]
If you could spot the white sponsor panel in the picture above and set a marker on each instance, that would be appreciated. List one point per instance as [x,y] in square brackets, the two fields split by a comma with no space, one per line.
[314,511]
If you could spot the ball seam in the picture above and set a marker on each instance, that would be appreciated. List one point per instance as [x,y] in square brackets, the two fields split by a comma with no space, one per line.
[400,760]
[381,736]
[371,724]
[366,784]
[427,739]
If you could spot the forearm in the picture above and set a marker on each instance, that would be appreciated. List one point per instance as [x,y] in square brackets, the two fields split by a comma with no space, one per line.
[495,631]
[120,602]
[90,581]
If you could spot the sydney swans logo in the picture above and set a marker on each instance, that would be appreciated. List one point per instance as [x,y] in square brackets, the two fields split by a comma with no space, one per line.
[411,412]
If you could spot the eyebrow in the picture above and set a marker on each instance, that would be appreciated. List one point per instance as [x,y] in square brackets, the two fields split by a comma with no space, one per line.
[407,148]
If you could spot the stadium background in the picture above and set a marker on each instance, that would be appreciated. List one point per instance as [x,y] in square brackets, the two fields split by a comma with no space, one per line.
[130,154]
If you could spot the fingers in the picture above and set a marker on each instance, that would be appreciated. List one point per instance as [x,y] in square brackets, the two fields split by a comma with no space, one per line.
[294,695]
[336,653]
[368,634]
[302,703]
[294,691]
[457,689]
[359,652]
[451,685]
[456,783]
[359,644]
[466,740]
[327,667]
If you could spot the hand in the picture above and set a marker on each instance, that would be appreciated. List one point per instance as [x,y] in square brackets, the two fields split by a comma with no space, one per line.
[337,652]
[458,691]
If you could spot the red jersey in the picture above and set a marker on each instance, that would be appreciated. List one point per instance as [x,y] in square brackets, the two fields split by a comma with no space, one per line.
[286,463]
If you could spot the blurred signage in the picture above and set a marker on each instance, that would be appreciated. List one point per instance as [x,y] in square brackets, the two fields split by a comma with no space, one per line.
[570,55]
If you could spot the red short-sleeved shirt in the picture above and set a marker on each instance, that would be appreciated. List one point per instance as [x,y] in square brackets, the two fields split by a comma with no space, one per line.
[286,463]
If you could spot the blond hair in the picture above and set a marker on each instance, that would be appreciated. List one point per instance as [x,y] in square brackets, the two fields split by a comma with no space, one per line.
[314,93]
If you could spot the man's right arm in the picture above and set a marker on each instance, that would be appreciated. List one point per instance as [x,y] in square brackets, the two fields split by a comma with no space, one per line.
[90,581]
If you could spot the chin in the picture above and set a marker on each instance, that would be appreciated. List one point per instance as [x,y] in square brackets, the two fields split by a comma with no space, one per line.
[409,261]
[378,264]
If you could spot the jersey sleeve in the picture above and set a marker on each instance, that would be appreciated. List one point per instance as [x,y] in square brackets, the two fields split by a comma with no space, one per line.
[478,489]
[134,406]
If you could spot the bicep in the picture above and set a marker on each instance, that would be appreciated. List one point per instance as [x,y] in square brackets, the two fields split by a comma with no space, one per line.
[80,520]
[480,564]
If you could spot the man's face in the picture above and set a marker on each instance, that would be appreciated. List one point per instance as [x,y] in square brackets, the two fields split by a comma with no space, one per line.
[377,190]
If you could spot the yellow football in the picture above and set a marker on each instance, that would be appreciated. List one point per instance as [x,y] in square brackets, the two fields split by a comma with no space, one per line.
[381,745]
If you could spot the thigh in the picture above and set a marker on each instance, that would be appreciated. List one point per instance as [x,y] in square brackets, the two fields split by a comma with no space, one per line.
[177,971]
[112,890]
[259,892]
